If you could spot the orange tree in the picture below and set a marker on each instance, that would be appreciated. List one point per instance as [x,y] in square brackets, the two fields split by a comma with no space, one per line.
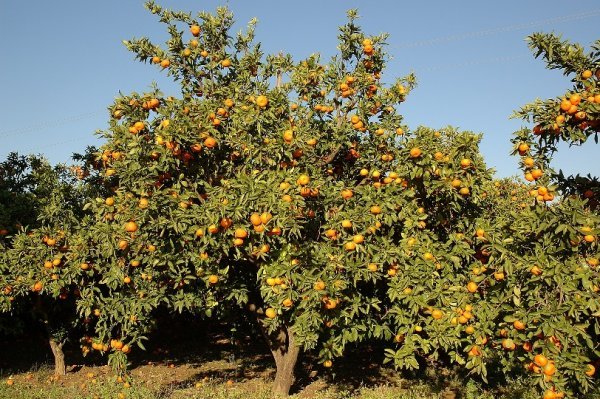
[288,189]
[46,202]
[552,257]
[18,208]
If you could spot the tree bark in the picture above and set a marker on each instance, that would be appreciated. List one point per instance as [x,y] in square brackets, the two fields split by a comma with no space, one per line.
[60,368]
[285,352]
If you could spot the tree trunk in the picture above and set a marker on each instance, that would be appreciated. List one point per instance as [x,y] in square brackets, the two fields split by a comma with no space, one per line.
[285,352]
[60,368]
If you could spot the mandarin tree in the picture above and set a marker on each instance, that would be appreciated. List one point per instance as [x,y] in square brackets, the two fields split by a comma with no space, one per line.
[50,201]
[291,190]
[552,257]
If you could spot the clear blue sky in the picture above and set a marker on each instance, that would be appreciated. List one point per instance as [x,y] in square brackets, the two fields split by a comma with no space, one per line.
[62,62]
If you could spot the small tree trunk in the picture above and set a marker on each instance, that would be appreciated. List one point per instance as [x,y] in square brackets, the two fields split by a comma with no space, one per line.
[285,352]
[60,368]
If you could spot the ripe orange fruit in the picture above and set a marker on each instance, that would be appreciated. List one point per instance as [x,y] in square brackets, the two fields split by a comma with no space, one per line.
[131,227]
[143,203]
[255,219]
[358,239]
[226,63]
[523,148]
[165,63]
[586,74]
[346,223]
[311,142]
[213,279]
[303,180]
[437,314]
[589,238]
[270,313]
[474,351]
[472,287]
[372,267]
[590,370]
[465,163]
[508,344]
[415,152]
[330,303]
[375,210]
[240,233]
[540,360]
[116,344]
[350,246]
[127,279]
[319,286]
[210,142]
[265,217]
[123,245]
[262,101]
[519,325]
[288,136]
[84,266]
[549,369]
[287,302]
[275,231]
[195,29]
[38,286]
[536,270]
[327,363]
[528,162]
[464,191]
[347,194]
[456,183]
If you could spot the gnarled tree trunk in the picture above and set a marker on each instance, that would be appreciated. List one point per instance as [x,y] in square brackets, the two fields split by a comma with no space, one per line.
[60,368]
[285,352]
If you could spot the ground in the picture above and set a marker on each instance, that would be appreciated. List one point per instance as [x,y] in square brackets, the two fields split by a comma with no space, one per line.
[181,363]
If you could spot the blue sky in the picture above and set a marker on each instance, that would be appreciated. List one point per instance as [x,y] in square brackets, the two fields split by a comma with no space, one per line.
[63,62]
